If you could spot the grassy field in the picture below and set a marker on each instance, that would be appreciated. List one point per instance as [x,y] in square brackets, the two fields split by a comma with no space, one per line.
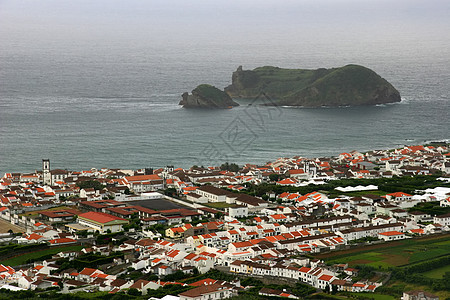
[21,259]
[360,193]
[394,254]
[417,287]
[437,273]
[375,296]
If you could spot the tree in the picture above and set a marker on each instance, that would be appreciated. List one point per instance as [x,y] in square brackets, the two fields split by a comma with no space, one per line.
[87,184]
[446,280]
[334,289]
[274,177]
[170,192]
[134,292]
[230,167]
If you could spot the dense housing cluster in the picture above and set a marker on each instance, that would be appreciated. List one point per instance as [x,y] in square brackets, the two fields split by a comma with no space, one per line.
[217,217]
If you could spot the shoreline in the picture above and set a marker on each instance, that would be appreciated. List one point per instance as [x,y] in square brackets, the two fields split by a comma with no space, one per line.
[335,154]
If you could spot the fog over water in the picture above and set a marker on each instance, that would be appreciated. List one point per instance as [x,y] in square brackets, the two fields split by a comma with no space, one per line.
[97,83]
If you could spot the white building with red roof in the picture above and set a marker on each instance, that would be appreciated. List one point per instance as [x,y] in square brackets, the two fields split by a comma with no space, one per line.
[391,235]
[102,221]
[144,183]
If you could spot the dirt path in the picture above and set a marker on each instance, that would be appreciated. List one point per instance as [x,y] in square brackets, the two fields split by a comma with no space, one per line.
[5,226]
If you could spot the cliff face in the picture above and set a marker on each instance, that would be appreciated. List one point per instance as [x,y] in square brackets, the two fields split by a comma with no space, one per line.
[349,85]
[207,96]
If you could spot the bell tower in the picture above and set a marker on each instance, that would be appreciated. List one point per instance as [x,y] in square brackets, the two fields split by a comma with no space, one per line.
[46,176]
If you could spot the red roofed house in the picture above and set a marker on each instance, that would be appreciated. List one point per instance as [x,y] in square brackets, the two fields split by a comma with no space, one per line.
[63,215]
[175,232]
[145,183]
[288,181]
[62,241]
[391,235]
[325,280]
[298,173]
[418,231]
[86,274]
[239,246]
[102,221]
[35,238]
[398,196]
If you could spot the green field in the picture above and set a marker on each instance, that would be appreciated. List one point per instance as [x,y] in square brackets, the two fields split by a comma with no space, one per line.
[374,296]
[437,273]
[22,259]
[361,193]
[403,286]
[395,254]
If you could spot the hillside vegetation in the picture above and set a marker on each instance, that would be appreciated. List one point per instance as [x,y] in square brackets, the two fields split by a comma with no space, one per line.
[344,86]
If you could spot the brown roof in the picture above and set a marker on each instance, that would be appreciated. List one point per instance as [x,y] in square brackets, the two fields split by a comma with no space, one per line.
[214,190]
[203,290]
[139,284]
[146,242]
[118,282]
[74,282]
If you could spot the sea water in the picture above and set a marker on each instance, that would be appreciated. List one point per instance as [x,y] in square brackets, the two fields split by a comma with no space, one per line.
[96,101]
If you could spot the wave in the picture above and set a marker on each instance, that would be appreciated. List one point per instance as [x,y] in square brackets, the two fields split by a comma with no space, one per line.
[405,100]
[444,140]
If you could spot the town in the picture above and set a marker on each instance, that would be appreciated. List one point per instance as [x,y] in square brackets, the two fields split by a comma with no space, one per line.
[292,228]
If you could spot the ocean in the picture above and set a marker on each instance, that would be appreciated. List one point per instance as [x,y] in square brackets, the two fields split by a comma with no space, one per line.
[112,100]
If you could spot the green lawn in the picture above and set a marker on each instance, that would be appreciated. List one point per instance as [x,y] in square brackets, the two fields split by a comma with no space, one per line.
[437,273]
[363,193]
[21,259]
[406,252]
[375,296]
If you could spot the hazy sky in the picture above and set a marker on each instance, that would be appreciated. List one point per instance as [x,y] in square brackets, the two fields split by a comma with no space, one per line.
[189,18]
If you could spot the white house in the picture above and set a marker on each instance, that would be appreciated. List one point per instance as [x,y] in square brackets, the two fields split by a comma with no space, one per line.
[102,221]
[212,193]
[391,235]
[237,211]
[443,220]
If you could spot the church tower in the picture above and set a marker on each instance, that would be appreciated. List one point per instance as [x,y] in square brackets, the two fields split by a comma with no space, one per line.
[46,176]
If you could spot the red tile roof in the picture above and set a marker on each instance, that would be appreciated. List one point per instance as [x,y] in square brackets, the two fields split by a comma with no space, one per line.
[62,241]
[325,277]
[143,178]
[87,271]
[100,217]
[391,233]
